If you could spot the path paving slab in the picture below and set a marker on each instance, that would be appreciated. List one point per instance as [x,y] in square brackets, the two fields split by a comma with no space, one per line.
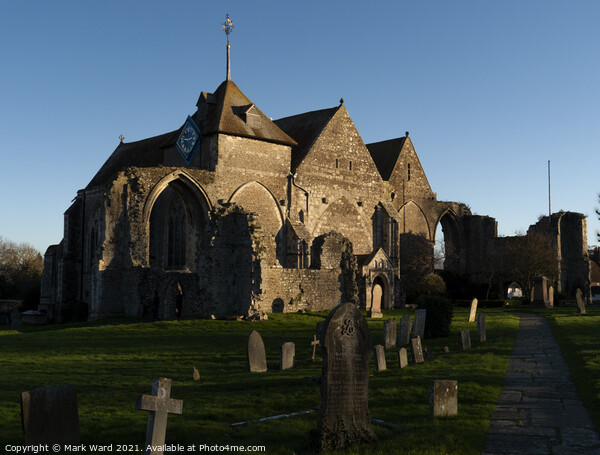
[539,411]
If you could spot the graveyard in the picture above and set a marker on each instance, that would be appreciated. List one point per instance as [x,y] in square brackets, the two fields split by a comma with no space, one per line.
[112,362]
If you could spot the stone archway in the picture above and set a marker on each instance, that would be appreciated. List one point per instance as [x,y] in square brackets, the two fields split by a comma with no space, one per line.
[453,257]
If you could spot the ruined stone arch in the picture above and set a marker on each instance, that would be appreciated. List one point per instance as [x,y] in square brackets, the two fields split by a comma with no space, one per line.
[453,240]
[343,217]
[254,197]
[176,212]
[413,220]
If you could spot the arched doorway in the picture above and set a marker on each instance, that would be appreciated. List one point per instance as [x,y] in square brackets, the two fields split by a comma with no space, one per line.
[378,295]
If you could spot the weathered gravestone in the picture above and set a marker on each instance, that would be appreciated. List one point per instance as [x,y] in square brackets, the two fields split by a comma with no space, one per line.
[550,303]
[195,374]
[443,398]
[389,333]
[465,340]
[257,359]
[481,328]
[402,357]
[377,294]
[580,301]
[16,323]
[405,326]
[473,310]
[380,364]
[160,404]
[344,417]
[540,290]
[287,355]
[446,350]
[49,415]
[417,350]
[428,353]
[419,326]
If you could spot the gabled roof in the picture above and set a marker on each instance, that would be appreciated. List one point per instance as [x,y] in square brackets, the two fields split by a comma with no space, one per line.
[385,155]
[305,129]
[226,117]
[367,259]
[144,153]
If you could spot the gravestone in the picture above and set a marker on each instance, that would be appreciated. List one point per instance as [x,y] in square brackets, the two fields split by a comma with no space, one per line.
[195,374]
[16,323]
[49,415]
[417,350]
[481,332]
[443,398]
[402,357]
[389,333]
[550,303]
[377,294]
[580,301]
[405,326]
[380,364]
[419,326]
[473,310]
[344,416]
[314,343]
[465,340]
[287,355]
[160,404]
[257,359]
[428,353]
[540,290]
[446,350]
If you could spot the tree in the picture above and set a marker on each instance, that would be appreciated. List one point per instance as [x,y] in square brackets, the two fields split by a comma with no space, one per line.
[21,267]
[529,256]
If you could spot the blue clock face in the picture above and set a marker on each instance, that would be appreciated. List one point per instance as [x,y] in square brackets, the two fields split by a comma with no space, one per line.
[189,140]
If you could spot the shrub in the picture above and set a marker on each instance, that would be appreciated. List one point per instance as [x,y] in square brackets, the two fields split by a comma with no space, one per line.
[439,315]
[431,284]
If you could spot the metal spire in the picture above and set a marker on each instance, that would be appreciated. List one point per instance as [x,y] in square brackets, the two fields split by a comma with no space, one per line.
[228,28]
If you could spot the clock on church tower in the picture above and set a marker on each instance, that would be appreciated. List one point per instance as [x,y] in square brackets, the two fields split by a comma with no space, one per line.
[189,140]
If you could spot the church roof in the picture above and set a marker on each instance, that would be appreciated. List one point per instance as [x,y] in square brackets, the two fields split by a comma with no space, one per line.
[305,129]
[144,153]
[385,155]
[227,117]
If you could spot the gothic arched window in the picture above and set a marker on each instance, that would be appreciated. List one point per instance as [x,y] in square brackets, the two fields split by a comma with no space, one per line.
[176,235]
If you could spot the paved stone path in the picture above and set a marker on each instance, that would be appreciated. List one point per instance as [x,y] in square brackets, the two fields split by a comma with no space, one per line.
[539,411]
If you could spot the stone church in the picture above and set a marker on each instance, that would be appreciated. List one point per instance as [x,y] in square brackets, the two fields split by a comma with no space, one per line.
[235,214]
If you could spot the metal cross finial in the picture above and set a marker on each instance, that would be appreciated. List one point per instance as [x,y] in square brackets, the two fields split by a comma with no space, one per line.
[227,26]
[122,138]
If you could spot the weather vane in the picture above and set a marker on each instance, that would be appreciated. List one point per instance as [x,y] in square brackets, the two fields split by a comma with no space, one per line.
[227,26]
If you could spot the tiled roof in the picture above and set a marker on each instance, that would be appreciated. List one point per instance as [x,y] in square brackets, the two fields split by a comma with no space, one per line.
[227,117]
[305,130]
[385,155]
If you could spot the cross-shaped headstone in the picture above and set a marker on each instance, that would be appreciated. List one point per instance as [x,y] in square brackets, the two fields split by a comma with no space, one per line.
[314,343]
[160,406]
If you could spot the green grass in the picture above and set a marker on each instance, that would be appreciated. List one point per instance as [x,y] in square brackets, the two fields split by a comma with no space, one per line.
[112,362]
[579,338]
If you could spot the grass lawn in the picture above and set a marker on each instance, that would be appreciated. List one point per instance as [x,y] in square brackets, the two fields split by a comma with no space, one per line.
[112,362]
[579,338]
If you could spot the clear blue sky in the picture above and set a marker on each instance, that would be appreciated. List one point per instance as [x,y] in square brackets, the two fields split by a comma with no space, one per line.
[490,91]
